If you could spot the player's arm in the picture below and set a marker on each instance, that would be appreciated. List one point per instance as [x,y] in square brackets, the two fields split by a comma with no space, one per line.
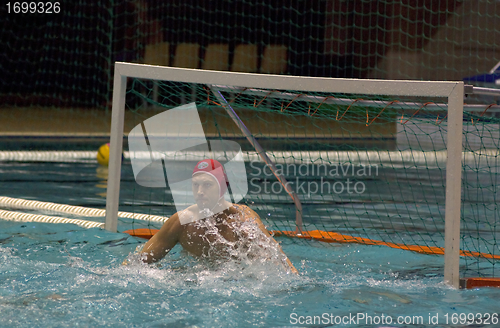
[163,241]
[264,230]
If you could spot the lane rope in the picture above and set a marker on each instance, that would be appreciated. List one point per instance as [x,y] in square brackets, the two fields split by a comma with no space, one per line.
[71,209]
[26,217]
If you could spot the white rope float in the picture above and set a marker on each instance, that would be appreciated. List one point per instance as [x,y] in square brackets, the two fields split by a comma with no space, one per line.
[47,156]
[368,157]
[70,209]
[26,217]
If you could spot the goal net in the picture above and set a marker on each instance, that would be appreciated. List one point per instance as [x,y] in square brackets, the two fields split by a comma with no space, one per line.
[390,163]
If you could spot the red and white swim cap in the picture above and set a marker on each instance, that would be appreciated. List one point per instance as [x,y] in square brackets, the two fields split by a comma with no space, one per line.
[214,169]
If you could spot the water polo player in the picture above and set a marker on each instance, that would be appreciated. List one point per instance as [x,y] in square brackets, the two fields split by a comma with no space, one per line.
[213,228]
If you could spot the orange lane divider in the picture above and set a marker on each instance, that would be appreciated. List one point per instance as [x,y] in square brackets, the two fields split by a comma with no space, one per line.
[471,283]
[145,233]
[333,237]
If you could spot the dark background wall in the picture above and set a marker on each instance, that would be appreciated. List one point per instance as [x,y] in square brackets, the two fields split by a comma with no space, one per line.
[66,59]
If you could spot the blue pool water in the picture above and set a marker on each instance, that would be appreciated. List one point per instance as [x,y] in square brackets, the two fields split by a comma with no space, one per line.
[65,276]
[59,275]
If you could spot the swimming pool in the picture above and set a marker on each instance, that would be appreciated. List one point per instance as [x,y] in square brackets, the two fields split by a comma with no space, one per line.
[63,275]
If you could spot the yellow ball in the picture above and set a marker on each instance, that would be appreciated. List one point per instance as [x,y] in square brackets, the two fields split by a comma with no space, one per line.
[103,155]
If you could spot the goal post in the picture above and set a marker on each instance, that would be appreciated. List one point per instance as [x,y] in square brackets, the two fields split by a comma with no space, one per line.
[453,185]
[451,92]
[115,149]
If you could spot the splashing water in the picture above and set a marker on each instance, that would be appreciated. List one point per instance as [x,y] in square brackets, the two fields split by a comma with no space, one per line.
[65,276]
[251,248]
[249,251]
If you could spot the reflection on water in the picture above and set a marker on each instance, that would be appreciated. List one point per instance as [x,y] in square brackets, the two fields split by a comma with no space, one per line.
[102,176]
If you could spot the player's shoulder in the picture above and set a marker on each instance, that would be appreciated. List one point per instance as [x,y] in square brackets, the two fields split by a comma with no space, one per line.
[180,217]
[187,215]
[246,211]
[241,207]
[171,226]
[172,220]
[190,209]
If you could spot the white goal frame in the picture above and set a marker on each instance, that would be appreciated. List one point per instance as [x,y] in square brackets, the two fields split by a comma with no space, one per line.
[453,91]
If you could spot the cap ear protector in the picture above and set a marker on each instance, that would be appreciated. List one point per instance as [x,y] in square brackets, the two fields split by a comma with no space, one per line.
[215,170]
